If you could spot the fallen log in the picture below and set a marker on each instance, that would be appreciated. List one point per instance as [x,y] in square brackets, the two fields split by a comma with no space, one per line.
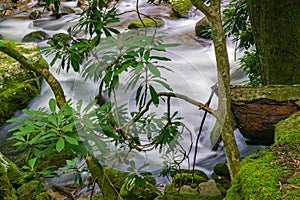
[257,109]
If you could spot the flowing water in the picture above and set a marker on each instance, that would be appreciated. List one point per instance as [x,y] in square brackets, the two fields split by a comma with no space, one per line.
[194,72]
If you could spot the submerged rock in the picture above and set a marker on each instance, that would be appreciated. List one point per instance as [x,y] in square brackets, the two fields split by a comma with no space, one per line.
[17,86]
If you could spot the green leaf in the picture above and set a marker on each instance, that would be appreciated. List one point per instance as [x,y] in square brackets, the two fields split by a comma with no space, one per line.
[60,145]
[164,84]
[147,55]
[153,69]
[154,95]
[31,162]
[52,105]
[68,128]
[70,139]
[160,58]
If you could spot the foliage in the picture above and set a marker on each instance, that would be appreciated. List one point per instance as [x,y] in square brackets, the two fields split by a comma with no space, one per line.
[70,50]
[238,26]
[250,65]
[237,23]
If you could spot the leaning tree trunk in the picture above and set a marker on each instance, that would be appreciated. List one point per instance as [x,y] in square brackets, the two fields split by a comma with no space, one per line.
[276,31]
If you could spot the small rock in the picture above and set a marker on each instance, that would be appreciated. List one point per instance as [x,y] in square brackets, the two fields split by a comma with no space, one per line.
[36,36]
[209,188]
[34,14]
[188,189]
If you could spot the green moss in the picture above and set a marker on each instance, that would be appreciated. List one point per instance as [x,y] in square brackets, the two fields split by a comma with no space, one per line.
[257,179]
[30,191]
[181,7]
[17,86]
[188,196]
[155,22]
[288,131]
[188,179]
[6,189]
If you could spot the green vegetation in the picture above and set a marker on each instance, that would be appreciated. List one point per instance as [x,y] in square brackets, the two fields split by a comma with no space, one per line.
[17,86]
[79,130]
[272,173]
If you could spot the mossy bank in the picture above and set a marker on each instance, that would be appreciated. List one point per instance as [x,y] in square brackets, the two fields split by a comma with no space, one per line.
[17,86]
[273,172]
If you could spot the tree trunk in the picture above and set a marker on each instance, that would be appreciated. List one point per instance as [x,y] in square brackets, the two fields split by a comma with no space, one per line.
[213,14]
[276,32]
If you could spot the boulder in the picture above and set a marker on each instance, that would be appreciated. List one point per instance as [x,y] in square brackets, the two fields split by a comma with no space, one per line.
[273,172]
[36,36]
[154,22]
[202,28]
[257,109]
[17,86]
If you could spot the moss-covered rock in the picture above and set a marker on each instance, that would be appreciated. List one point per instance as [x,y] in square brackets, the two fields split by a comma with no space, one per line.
[202,28]
[187,186]
[35,14]
[181,7]
[118,179]
[222,177]
[36,36]
[154,22]
[288,131]
[17,86]
[33,190]
[272,173]
[10,177]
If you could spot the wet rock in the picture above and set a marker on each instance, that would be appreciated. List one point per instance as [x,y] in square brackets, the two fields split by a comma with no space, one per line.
[202,28]
[1,37]
[181,8]
[17,86]
[34,14]
[154,22]
[66,10]
[36,36]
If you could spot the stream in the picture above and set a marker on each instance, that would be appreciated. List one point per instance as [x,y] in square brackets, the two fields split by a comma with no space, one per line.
[194,72]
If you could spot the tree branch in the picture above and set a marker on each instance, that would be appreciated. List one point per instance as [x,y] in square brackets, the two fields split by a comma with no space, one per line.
[199,4]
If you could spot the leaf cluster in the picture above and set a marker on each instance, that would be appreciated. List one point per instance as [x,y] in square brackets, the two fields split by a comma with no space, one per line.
[237,23]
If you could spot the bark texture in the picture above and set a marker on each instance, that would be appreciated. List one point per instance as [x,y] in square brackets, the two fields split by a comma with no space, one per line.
[276,32]
[258,109]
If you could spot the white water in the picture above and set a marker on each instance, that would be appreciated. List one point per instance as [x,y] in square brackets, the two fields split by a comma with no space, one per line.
[194,73]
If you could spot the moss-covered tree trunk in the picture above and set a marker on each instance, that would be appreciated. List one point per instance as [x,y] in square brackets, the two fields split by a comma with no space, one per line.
[213,13]
[276,30]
